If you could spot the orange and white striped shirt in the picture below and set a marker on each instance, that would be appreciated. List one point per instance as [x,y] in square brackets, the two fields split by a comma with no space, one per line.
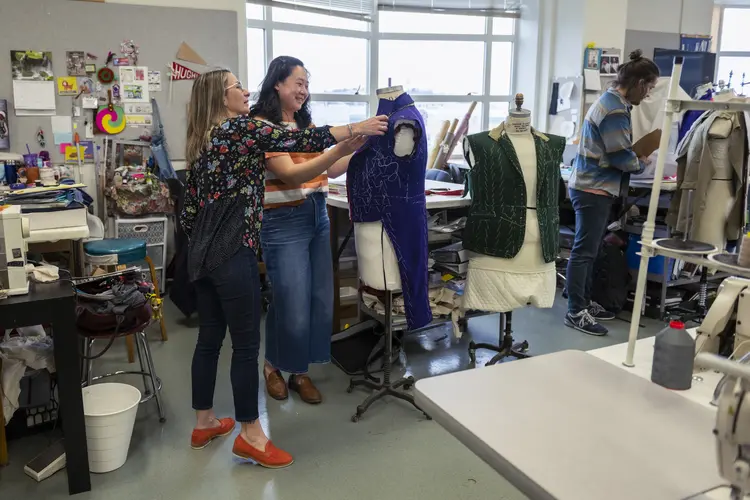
[281,194]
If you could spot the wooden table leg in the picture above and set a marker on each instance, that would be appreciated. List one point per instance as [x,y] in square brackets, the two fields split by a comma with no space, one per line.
[68,364]
[3,442]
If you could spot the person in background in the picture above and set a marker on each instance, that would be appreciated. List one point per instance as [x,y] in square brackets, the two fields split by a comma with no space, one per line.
[222,216]
[601,170]
[295,238]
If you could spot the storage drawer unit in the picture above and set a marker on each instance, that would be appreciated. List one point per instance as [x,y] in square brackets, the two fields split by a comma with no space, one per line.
[154,231]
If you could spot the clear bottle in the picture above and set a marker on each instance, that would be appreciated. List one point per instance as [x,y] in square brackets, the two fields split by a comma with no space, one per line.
[674,354]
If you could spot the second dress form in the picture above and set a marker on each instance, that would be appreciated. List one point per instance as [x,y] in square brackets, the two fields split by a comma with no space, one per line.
[495,284]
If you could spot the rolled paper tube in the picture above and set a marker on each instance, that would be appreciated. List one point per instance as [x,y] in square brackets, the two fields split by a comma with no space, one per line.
[442,156]
[110,121]
[438,142]
[462,128]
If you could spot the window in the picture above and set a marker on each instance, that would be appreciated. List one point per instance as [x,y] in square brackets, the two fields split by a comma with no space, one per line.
[503,26]
[423,70]
[734,49]
[438,58]
[338,113]
[337,65]
[733,30]
[412,22]
[435,113]
[502,65]
[256,58]
[253,11]
[498,113]
[292,16]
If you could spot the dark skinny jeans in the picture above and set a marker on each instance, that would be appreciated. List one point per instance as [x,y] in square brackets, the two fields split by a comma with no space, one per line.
[229,297]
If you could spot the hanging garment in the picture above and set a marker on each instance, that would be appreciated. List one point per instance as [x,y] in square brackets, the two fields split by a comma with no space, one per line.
[496,223]
[505,283]
[713,150]
[649,114]
[384,187]
[692,115]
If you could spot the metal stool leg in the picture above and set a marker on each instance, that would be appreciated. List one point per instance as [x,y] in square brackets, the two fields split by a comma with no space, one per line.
[154,380]
[139,351]
[89,362]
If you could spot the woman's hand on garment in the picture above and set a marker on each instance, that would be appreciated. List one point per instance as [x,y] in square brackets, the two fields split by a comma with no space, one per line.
[377,125]
[349,146]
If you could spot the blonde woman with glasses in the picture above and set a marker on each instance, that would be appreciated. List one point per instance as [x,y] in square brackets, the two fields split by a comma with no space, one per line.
[222,217]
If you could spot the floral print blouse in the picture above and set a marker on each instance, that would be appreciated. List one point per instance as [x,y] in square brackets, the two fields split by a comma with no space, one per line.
[224,195]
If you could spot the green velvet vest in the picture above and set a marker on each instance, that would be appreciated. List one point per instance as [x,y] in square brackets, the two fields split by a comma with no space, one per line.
[496,224]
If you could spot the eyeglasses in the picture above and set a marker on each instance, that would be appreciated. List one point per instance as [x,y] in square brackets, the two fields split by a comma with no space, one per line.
[235,85]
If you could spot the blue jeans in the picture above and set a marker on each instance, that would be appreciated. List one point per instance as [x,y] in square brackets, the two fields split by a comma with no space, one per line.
[592,217]
[229,297]
[297,252]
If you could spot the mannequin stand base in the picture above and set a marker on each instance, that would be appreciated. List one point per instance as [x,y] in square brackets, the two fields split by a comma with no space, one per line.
[380,391]
[386,387]
[507,347]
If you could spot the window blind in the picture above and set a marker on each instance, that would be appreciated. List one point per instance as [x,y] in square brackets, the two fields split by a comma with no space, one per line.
[497,8]
[361,10]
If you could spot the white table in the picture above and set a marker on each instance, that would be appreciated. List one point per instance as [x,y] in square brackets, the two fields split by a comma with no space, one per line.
[338,207]
[570,426]
[702,390]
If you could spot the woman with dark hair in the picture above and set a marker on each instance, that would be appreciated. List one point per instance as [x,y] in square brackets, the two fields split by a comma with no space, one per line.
[601,171]
[295,238]
[221,217]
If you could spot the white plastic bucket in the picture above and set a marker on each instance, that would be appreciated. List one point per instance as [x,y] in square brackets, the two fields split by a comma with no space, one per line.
[109,410]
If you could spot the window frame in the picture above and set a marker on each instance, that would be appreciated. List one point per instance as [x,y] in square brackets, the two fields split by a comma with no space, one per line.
[374,36]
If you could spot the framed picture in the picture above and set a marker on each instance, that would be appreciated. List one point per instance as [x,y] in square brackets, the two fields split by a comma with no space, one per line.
[609,64]
[592,59]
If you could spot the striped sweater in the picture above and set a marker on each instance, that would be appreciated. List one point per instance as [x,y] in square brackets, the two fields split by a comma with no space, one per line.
[281,194]
[605,153]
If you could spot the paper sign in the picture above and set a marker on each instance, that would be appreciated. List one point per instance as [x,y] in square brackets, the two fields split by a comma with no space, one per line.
[85,147]
[186,53]
[138,108]
[593,80]
[33,96]
[180,72]
[139,120]
[62,129]
[154,81]
[121,61]
[90,102]
[134,81]
[67,85]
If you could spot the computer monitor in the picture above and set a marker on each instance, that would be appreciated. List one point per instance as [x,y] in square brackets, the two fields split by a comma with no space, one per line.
[698,67]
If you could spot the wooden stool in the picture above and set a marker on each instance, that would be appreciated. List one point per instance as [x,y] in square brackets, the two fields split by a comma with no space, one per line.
[116,252]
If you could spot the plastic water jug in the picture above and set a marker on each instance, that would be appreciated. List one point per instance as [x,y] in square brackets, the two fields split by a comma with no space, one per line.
[674,353]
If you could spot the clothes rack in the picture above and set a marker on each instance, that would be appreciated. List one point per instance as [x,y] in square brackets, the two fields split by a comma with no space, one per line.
[649,246]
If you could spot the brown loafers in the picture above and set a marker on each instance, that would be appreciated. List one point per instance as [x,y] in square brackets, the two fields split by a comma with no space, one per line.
[276,386]
[305,388]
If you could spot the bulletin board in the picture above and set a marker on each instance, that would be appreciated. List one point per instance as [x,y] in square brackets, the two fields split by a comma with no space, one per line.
[59,26]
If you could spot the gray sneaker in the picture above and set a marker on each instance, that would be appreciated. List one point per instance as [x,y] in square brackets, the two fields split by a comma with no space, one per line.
[599,313]
[586,323]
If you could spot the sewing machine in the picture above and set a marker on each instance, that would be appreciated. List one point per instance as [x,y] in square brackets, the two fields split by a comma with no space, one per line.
[732,429]
[733,294]
[14,229]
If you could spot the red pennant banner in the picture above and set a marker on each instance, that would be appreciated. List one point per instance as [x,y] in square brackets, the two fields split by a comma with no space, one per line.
[180,72]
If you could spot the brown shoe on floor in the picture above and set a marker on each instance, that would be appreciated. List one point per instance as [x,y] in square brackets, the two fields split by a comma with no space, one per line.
[306,389]
[276,386]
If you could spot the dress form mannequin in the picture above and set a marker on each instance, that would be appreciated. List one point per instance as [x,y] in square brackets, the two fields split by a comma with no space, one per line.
[502,285]
[376,258]
[721,195]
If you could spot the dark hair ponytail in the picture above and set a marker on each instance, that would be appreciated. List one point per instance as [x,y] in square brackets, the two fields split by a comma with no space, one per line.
[268,105]
[638,69]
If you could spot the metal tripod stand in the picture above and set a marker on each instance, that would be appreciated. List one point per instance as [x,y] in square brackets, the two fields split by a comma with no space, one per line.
[386,387]
[506,348]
